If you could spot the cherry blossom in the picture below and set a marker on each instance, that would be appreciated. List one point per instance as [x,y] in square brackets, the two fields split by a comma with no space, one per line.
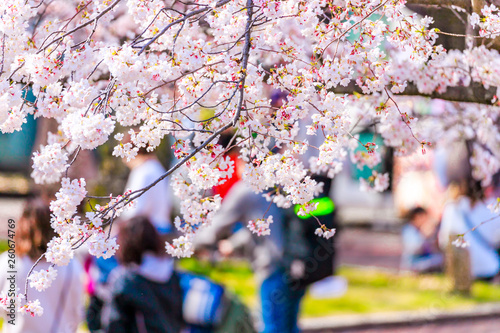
[42,279]
[59,251]
[377,182]
[49,164]
[32,307]
[180,247]
[325,232]
[460,242]
[261,227]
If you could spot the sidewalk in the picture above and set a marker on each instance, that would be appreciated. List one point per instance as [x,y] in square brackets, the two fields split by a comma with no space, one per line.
[367,247]
[479,319]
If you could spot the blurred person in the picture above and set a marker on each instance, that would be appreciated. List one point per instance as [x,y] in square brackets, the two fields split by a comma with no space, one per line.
[467,215]
[280,295]
[419,238]
[279,303]
[156,203]
[280,259]
[145,291]
[226,139]
[62,302]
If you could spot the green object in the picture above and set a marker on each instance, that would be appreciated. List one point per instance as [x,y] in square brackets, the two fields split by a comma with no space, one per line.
[325,207]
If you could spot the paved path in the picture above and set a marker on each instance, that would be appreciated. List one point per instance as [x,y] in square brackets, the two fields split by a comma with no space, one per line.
[491,325]
[366,247]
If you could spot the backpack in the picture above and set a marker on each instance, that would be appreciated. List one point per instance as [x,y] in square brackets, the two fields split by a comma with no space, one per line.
[308,257]
[208,308]
[203,302]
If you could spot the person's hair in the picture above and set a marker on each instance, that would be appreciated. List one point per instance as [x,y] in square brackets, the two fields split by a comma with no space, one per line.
[137,236]
[495,180]
[410,216]
[34,230]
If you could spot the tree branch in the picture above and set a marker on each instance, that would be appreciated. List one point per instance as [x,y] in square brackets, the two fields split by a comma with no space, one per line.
[476,93]
[458,3]
[181,20]
[42,48]
[246,54]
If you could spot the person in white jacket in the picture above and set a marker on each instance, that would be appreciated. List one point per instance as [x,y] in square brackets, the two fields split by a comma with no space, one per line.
[156,203]
[62,302]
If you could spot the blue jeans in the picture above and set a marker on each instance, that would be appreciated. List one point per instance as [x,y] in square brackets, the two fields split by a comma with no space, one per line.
[280,304]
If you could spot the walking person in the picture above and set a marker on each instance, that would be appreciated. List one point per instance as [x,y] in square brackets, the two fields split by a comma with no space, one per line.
[279,303]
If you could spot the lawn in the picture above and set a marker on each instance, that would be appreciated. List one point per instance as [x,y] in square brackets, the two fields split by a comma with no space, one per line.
[369,290]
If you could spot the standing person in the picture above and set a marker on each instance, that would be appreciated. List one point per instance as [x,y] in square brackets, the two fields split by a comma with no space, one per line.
[145,293]
[62,302]
[156,203]
[279,302]
[419,238]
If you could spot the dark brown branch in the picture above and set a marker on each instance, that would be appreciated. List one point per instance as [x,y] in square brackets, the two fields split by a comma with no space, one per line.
[459,3]
[476,93]
[244,61]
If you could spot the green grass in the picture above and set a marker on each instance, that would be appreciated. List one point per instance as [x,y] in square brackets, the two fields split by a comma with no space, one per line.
[369,290]
[4,246]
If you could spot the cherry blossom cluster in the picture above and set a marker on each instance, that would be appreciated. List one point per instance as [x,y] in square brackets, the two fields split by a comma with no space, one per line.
[49,164]
[363,158]
[69,196]
[32,308]
[325,232]
[261,227]
[180,247]
[42,279]
[100,245]
[489,24]
[59,251]
[376,182]
[484,165]
[460,242]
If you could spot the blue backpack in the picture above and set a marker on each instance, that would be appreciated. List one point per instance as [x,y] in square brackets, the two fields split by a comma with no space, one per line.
[203,303]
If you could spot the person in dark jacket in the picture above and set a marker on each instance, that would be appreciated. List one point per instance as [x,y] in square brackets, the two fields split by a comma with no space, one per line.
[146,294]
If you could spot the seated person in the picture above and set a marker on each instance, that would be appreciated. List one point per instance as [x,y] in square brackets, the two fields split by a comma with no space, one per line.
[420,253]
[467,215]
